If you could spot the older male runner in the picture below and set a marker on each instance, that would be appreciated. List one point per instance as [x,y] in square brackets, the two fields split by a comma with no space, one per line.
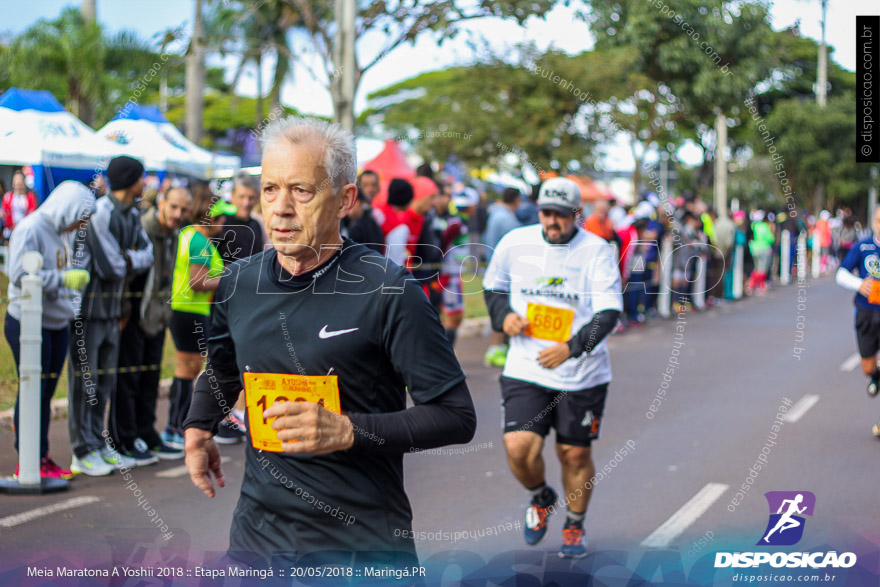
[554,288]
[324,320]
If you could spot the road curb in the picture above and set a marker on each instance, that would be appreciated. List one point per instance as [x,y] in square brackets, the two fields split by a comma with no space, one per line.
[471,328]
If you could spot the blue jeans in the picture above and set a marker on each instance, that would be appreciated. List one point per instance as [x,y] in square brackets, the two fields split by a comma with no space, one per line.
[53,350]
[635,296]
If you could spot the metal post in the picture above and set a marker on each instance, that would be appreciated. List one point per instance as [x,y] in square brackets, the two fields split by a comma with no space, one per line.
[664,295]
[738,259]
[29,371]
[785,258]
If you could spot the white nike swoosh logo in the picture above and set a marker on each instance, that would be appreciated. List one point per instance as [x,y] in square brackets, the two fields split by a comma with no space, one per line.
[331,333]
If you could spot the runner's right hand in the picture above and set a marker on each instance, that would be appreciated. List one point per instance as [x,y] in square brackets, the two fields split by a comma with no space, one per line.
[865,288]
[514,324]
[203,459]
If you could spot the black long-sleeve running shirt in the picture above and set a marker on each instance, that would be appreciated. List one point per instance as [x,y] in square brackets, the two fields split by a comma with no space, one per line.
[364,319]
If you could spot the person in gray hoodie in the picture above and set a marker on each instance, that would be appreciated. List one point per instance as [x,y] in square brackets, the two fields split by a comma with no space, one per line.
[133,415]
[48,231]
[115,246]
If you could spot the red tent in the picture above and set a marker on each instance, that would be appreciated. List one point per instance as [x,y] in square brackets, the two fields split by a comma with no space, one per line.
[389,164]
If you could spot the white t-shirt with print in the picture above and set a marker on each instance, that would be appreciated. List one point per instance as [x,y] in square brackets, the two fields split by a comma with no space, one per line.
[579,276]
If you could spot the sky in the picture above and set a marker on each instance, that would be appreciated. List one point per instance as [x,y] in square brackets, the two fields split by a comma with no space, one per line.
[560,30]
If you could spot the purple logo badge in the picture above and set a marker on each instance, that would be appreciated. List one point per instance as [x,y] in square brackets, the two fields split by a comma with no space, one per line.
[787,508]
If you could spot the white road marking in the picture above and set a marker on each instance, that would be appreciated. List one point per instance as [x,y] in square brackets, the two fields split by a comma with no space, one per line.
[800,408]
[181,470]
[685,516]
[75,502]
[851,362]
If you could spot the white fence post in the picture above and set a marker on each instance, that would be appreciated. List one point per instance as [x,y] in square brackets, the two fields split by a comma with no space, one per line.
[738,260]
[785,258]
[664,296]
[802,257]
[30,396]
[699,297]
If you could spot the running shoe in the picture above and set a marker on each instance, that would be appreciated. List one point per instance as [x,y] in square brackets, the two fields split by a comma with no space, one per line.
[536,518]
[875,430]
[872,387]
[113,457]
[573,543]
[228,434]
[92,464]
[172,439]
[166,453]
[141,455]
[496,356]
[237,421]
[49,468]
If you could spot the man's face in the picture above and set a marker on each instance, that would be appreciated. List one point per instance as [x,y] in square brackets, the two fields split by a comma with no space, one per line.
[600,208]
[441,202]
[244,199]
[875,223]
[370,185]
[18,185]
[422,206]
[138,189]
[300,207]
[175,208]
[557,227]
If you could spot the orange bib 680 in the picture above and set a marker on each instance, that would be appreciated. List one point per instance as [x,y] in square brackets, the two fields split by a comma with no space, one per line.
[262,390]
[549,323]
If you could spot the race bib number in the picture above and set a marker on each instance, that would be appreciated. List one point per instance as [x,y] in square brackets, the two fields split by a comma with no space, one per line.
[874,296]
[262,390]
[549,323]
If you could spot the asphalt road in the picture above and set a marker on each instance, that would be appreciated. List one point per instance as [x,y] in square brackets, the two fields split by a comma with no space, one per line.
[736,365]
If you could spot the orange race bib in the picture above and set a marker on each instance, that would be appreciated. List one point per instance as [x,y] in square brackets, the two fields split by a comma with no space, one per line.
[262,390]
[874,296]
[549,323]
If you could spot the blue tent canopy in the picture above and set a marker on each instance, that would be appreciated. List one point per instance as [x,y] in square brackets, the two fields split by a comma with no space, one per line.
[132,111]
[39,100]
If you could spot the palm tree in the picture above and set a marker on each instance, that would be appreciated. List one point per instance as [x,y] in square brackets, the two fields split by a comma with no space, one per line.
[195,77]
[252,29]
[65,56]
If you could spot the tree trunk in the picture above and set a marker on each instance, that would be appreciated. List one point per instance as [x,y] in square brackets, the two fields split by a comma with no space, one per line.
[818,198]
[85,112]
[89,11]
[195,78]
[344,80]
[259,125]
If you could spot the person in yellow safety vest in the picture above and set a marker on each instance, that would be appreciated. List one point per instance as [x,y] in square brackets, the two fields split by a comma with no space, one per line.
[197,273]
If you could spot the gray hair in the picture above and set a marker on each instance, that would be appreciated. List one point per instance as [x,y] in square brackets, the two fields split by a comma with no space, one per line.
[340,155]
[246,180]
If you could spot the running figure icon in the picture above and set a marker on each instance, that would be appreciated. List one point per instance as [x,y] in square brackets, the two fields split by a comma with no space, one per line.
[786,522]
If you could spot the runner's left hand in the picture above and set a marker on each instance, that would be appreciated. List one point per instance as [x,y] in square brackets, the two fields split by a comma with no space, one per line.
[309,428]
[553,356]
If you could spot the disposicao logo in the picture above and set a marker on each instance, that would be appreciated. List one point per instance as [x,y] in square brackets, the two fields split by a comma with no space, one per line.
[786,525]
[785,528]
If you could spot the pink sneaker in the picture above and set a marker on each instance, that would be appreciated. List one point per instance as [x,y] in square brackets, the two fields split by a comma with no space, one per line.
[48,468]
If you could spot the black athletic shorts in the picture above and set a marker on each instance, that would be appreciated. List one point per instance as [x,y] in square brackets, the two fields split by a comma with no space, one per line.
[575,415]
[867,332]
[189,331]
